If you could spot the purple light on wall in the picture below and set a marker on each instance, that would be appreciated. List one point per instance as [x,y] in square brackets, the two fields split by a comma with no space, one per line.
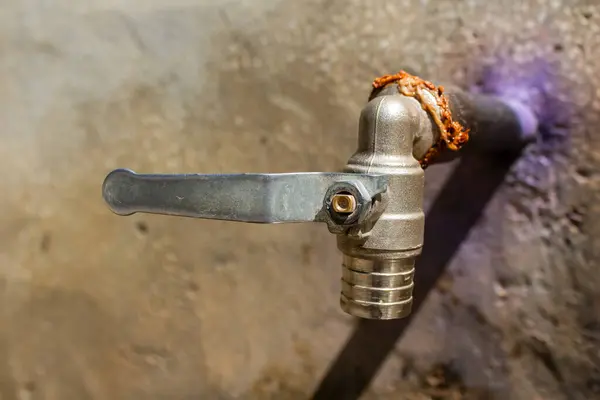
[539,85]
[536,85]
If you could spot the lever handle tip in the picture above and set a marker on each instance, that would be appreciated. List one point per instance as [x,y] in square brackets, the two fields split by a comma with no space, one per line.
[115,183]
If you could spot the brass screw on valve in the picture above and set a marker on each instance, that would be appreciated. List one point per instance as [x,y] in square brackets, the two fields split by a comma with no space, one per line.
[343,203]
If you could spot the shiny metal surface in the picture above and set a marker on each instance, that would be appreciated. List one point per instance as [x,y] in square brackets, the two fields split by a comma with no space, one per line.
[343,203]
[258,198]
[377,288]
[378,266]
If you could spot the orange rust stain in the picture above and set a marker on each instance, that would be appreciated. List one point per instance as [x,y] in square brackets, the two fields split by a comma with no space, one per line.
[452,134]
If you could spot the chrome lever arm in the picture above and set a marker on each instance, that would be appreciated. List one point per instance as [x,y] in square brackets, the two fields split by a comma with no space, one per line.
[256,198]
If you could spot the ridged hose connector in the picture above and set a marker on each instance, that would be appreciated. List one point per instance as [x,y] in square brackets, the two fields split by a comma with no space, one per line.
[379,258]
[377,289]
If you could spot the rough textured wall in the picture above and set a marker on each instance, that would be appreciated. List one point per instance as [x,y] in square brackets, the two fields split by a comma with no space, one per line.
[101,307]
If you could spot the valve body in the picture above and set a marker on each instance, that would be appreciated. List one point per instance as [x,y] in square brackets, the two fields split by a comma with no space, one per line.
[379,257]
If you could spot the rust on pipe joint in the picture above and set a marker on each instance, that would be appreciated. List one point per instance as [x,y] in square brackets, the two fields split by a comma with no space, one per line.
[452,134]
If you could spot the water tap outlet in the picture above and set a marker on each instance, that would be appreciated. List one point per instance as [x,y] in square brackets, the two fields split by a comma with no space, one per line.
[374,206]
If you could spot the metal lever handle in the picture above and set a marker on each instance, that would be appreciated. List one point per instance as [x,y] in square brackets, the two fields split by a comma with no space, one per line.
[257,198]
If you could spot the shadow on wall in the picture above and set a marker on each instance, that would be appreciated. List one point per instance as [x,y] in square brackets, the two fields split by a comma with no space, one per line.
[455,211]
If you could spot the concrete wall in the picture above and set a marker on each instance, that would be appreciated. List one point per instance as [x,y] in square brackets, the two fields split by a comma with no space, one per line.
[93,306]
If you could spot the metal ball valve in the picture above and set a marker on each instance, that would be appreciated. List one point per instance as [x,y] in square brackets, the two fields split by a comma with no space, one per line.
[375,206]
